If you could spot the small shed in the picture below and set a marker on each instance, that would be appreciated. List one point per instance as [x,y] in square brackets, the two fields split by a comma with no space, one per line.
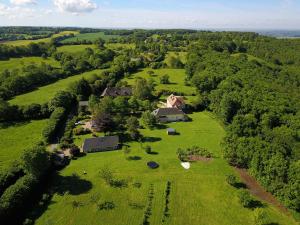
[171,131]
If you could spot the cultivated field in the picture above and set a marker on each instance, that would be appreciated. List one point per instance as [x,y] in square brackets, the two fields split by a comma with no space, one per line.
[17,137]
[199,195]
[177,77]
[89,37]
[45,93]
[19,63]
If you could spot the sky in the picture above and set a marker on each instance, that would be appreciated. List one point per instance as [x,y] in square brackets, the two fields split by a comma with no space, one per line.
[194,14]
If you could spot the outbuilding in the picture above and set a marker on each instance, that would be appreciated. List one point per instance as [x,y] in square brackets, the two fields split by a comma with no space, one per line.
[101,144]
[171,131]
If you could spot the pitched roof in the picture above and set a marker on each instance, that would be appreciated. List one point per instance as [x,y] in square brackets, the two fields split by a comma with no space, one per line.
[100,142]
[114,91]
[175,101]
[83,103]
[167,111]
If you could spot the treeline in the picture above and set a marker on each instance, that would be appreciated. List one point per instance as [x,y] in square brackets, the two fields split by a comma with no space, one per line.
[260,105]
[16,82]
[32,49]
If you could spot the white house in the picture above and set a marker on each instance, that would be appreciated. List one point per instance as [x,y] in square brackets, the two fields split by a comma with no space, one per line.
[169,115]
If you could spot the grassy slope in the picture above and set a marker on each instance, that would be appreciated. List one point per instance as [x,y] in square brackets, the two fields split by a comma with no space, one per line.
[176,78]
[74,48]
[198,196]
[89,37]
[45,93]
[26,42]
[18,63]
[15,138]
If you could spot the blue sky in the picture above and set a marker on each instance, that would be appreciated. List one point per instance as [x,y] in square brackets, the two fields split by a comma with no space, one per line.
[197,14]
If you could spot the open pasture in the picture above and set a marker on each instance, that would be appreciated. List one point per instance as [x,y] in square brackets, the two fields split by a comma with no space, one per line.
[89,37]
[15,138]
[199,195]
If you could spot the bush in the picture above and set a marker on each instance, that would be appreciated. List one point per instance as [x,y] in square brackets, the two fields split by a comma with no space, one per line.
[54,123]
[231,180]
[106,206]
[75,150]
[245,198]
[185,154]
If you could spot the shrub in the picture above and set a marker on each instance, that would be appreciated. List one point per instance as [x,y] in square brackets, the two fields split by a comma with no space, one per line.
[185,154]
[245,198]
[231,180]
[260,217]
[75,150]
[54,124]
[81,131]
[106,206]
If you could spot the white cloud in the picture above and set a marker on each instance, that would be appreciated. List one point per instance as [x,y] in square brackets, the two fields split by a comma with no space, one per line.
[16,12]
[75,6]
[23,2]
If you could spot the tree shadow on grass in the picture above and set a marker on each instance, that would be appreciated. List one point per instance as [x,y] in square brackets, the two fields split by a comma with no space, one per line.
[160,126]
[239,185]
[134,158]
[73,185]
[153,153]
[151,139]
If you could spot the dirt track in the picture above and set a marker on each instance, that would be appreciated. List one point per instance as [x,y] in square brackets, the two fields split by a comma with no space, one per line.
[257,190]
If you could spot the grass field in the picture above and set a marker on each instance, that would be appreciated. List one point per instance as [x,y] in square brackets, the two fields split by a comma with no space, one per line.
[18,63]
[89,37]
[26,42]
[197,196]
[15,138]
[177,77]
[45,93]
[74,48]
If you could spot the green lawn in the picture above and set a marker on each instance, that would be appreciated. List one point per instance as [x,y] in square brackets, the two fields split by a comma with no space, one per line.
[26,42]
[197,196]
[18,63]
[177,77]
[89,37]
[15,138]
[74,48]
[45,93]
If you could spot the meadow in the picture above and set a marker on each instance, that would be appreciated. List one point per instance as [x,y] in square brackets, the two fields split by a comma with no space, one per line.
[46,40]
[199,195]
[19,63]
[74,49]
[177,77]
[45,93]
[181,55]
[89,37]
[15,138]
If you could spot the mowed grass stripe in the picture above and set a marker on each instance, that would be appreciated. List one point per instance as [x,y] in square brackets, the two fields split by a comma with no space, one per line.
[45,93]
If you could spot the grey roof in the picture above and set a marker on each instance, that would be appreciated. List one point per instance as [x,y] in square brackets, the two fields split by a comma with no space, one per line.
[115,92]
[100,142]
[171,130]
[167,111]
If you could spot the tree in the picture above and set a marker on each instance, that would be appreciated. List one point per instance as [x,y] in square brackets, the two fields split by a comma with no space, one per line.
[132,125]
[121,104]
[35,161]
[245,198]
[107,175]
[81,87]
[103,121]
[142,90]
[231,179]
[150,73]
[100,43]
[126,150]
[75,150]
[165,79]
[148,149]
[61,99]
[148,119]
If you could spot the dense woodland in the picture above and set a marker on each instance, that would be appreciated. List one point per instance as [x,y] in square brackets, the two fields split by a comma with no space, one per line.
[251,82]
